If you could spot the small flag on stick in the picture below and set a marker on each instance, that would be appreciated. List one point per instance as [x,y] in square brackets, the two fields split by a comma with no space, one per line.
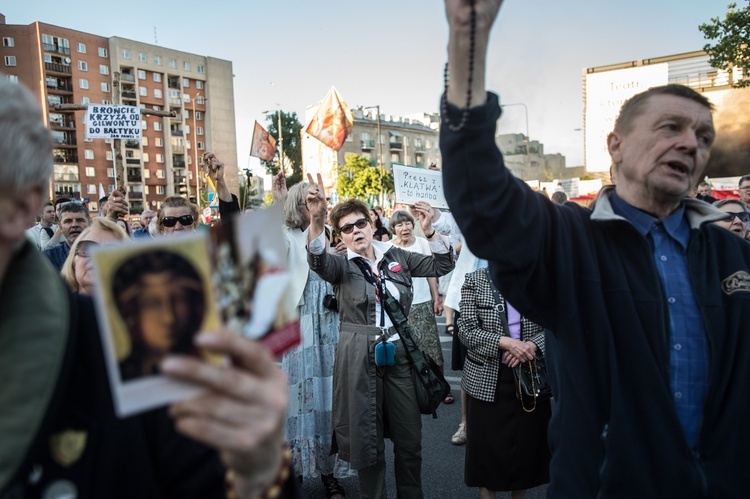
[332,122]
[263,146]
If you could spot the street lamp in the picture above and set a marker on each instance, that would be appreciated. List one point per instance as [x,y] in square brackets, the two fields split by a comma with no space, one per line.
[380,151]
[281,140]
[528,137]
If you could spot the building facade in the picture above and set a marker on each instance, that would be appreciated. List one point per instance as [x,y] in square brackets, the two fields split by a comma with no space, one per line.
[411,141]
[65,66]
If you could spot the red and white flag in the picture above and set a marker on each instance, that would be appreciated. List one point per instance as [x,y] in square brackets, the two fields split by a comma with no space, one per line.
[332,122]
[263,145]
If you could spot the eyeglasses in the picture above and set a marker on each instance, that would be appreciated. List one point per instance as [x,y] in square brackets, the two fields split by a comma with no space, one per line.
[83,250]
[743,216]
[745,188]
[184,220]
[360,224]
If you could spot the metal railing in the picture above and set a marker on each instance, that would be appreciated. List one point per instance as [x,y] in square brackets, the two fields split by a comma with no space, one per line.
[367,144]
[127,77]
[58,68]
[51,47]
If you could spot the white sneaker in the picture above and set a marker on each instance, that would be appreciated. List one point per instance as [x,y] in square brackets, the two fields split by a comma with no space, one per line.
[459,438]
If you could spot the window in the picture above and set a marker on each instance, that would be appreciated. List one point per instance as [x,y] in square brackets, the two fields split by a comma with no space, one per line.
[144,125]
[8,41]
[111,172]
[157,77]
[199,130]
[143,91]
[144,141]
[85,100]
[142,57]
[106,102]
[88,154]
[198,84]
[146,174]
[159,159]
[90,189]
[200,100]
[108,155]
[141,74]
[185,82]
[159,142]
[187,129]
[173,63]
[186,114]
[157,126]
[200,69]
[156,108]
[199,115]
[10,60]
[105,86]
[157,60]
[186,66]
[103,69]
[90,172]
[83,66]
[13,78]
[126,54]
[186,98]
[83,83]
[145,187]
[145,157]
[81,48]
[201,146]
[158,93]
[160,189]
[102,52]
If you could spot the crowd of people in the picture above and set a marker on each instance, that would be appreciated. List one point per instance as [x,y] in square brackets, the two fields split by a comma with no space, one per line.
[638,305]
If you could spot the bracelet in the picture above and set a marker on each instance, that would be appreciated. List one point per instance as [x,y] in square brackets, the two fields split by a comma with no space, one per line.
[430,236]
[274,490]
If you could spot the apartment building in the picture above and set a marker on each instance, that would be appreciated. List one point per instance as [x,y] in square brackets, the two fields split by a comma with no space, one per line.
[411,141]
[65,66]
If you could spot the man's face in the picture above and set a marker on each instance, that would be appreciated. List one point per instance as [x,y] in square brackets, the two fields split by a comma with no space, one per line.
[72,224]
[745,191]
[48,215]
[665,151]
[146,217]
[704,190]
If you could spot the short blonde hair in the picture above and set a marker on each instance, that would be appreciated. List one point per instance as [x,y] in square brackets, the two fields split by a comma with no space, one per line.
[68,271]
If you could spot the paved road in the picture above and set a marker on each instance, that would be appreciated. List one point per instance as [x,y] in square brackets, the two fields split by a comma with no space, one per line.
[442,462]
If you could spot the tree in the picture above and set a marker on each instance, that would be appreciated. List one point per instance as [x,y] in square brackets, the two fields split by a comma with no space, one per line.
[732,48]
[358,178]
[291,130]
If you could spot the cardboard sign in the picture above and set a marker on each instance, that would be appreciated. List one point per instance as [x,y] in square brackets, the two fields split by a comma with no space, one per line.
[113,122]
[418,184]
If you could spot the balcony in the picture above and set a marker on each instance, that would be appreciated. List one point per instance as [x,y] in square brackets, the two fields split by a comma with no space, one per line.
[179,179]
[175,132]
[128,95]
[396,146]
[132,144]
[49,47]
[367,144]
[65,156]
[57,68]
[127,78]
[178,164]
[174,84]
[65,142]
[65,177]
[175,102]
[133,161]
[134,194]
[178,149]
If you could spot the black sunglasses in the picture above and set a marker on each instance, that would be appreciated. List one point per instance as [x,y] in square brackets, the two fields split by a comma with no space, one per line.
[743,216]
[360,224]
[184,220]
[83,250]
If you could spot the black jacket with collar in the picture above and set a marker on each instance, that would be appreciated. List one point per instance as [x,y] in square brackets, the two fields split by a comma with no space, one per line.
[590,277]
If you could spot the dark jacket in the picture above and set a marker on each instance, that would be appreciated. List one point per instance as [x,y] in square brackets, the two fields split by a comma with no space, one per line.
[58,254]
[590,277]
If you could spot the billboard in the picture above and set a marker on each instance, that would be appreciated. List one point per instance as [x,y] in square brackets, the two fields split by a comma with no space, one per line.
[605,93]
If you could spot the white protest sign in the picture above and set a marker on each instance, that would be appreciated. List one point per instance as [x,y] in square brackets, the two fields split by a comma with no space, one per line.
[417,184]
[113,122]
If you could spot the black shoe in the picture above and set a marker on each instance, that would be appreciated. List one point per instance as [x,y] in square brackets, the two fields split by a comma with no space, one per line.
[333,487]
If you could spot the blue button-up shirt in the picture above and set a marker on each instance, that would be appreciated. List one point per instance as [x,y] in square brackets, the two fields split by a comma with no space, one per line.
[688,360]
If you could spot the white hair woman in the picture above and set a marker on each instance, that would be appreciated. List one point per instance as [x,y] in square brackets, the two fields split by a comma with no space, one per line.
[77,269]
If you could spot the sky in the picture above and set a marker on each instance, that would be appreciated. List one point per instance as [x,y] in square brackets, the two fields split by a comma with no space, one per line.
[287,53]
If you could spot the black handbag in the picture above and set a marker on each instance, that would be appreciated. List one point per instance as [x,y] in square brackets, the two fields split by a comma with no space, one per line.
[532,383]
[429,383]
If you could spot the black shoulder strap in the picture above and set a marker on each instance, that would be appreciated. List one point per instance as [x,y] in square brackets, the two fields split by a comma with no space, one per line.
[500,305]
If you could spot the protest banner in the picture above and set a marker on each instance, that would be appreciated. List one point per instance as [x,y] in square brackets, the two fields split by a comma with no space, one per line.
[263,145]
[332,122]
[113,122]
[417,184]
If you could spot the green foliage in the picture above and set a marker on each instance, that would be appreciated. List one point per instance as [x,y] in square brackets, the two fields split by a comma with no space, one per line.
[291,131]
[732,47]
[358,178]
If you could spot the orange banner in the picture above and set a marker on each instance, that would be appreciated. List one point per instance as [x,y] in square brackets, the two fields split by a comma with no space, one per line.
[332,122]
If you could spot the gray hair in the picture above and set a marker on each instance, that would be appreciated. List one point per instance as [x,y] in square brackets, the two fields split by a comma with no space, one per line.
[25,144]
[294,204]
[74,207]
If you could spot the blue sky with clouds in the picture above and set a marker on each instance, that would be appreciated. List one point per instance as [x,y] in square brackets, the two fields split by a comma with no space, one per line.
[392,52]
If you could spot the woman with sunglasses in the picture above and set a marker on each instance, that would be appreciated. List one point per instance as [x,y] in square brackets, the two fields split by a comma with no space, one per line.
[77,269]
[177,214]
[370,401]
[738,216]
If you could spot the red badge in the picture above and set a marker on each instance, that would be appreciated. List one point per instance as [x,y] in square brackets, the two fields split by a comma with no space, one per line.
[394,267]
